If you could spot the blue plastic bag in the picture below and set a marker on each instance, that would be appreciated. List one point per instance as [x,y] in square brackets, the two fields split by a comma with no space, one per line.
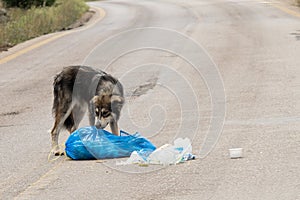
[91,143]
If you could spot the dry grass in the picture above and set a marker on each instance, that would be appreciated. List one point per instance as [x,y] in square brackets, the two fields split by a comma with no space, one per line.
[26,24]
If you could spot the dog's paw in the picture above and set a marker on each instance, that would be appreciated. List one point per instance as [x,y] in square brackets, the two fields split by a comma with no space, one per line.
[57,152]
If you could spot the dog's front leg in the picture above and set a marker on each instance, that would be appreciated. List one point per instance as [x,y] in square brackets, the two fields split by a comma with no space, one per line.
[114,127]
[91,113]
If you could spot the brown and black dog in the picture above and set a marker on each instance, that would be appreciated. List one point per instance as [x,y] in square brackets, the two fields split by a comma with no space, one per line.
[79,87]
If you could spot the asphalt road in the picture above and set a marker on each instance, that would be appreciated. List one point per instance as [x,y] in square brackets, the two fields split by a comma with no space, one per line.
[198,59]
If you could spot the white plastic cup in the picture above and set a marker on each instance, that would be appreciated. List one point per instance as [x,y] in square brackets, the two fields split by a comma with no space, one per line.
[236,152]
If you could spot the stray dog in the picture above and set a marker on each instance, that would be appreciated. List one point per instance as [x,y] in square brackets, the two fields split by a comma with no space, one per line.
[77,87]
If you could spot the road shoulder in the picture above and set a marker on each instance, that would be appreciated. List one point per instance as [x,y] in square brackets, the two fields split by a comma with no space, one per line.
[34,43]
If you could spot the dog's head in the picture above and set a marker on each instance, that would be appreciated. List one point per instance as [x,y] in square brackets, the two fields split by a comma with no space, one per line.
[107,109]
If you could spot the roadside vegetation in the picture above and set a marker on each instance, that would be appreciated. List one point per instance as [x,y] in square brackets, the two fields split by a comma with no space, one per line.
[28,20]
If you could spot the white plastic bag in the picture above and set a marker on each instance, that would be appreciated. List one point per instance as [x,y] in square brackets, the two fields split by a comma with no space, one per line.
[167,154]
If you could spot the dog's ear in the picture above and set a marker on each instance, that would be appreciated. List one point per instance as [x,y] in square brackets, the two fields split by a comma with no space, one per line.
[95,99]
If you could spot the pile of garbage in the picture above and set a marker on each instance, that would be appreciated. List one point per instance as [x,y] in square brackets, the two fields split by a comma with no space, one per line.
[91,143]
[167,154]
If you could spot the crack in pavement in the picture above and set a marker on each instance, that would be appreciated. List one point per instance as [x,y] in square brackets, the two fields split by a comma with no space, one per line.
[143,88]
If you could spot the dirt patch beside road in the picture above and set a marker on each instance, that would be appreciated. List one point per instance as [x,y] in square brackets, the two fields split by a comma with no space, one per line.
[83,20]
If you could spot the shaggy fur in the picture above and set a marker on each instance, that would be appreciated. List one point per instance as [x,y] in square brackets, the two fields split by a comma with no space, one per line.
[77,88]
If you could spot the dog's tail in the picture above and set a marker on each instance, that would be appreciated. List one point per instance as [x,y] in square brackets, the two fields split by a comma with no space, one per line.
[57,86]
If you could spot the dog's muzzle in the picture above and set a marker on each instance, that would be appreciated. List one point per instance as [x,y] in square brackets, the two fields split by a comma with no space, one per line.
[100,125]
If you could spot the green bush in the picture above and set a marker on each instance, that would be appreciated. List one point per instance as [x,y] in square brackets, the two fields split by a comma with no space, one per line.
[33,22]
[27,3]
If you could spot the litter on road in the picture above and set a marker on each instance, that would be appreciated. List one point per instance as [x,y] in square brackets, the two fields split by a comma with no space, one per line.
[90,143]
[236,152]
[167,154]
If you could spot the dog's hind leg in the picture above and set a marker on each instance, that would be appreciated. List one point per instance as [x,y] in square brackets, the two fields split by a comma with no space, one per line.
[54,136]
[70,124]
[60,119]
[76,116]
[73,120]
